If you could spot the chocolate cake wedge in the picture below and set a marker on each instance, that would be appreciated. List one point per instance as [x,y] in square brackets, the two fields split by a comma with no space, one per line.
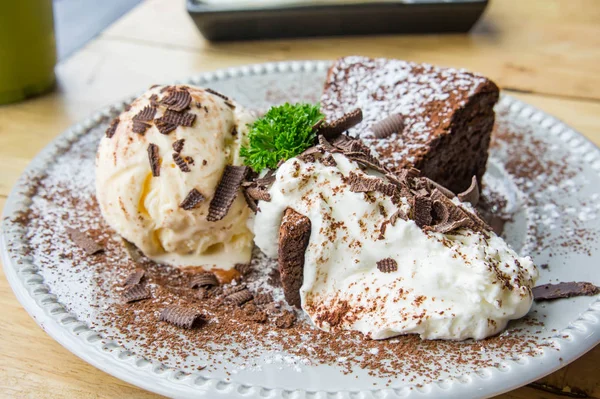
[447,115]
[294,234]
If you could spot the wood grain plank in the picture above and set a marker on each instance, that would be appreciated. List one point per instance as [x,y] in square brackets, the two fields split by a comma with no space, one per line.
[544,46]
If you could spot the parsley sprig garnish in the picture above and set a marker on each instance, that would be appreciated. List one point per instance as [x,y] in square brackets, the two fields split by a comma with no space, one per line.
[282,133]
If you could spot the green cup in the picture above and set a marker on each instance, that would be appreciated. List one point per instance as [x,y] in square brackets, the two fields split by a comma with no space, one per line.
[27,49]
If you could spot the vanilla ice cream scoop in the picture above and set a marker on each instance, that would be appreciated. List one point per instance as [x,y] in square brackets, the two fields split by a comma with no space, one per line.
[157,170]
[365,271]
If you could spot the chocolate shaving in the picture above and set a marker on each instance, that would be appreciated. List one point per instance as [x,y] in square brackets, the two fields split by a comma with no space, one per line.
[328,160]
[178,145]
[441,214]
[180,316]
[258,193]
[136,293]
[286,320]
[308,154]
[177,100]
[399,214]
[457,217]
[243,268]
[251,202]
[240,297]
[179,161]
[154,100]
[192,200]
[367,160]
[422,210]
[294,235]
[388,126]
[204,279]
[177,118]
[361,184]
[154,159]
[226,192]
[432,185]
[471,194]
[146,114]
[232,289]
[84,242]
[340,125]
[387,265]
[164,127]
[132,251]
[112,128]
[140,127]
[135,277]
[263,298]
[548,292]
[326,145]
[343,142]
[216,93]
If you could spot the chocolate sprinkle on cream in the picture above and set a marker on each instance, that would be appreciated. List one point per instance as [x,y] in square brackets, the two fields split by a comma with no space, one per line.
[388,126]
[340,125]
[422,210]
[154,100]
[471,194]
[226,192]
[178,145]
[362,184]
[192,200]
[564,290]
[112,128]
[164,127]
[294,235]
[178,118]
[181,316]
[239,297]
[136,293]
[140,127]
[135,277]
[387,265]
[154,159]
[216,93]
[177,100]
[204,279]
[84,242]
[146,114]
[181,162]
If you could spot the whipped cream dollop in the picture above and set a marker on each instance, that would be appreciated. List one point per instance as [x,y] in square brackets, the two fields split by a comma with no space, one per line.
[454,286]
[146,209]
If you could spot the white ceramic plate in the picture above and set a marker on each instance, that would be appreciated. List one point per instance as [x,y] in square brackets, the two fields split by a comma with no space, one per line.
[561,210]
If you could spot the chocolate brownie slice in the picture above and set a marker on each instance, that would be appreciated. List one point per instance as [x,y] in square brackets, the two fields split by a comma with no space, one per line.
[294,234]
[447,115]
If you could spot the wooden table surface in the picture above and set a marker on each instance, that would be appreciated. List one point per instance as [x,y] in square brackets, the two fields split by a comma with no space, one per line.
[544,52]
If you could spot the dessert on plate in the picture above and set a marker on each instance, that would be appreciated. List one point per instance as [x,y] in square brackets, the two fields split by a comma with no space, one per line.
[301,238]
[364,240]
